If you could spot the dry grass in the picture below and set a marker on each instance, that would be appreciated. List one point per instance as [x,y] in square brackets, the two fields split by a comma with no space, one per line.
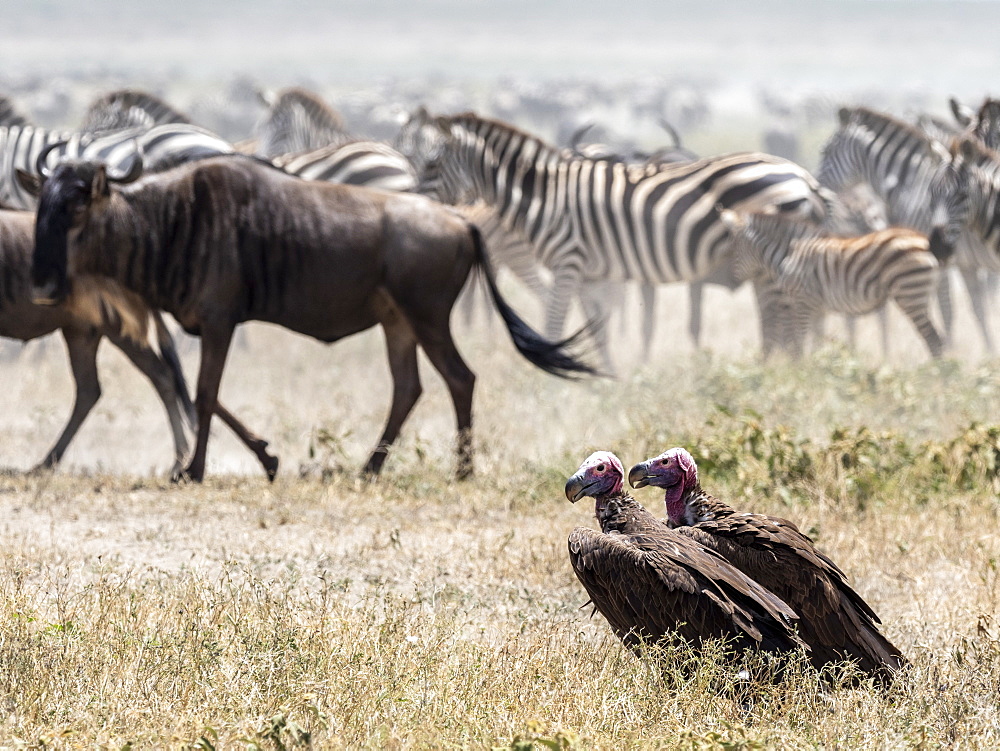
[423,612]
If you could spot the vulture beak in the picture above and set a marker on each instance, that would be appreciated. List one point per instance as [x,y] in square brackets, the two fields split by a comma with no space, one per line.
[638,476]
[576,487]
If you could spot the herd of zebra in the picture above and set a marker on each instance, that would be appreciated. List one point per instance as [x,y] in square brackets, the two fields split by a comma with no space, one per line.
[892,205]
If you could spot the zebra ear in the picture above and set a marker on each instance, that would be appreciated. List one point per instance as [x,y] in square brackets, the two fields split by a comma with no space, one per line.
[30,182]
[962,114]
[266,98]
[844,115]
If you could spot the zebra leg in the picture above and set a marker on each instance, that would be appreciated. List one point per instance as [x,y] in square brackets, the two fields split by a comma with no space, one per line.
[216,336]
[165,383]
[917,310]
[944,303]
[851,324]
[883,325]
[401,346]
[565,285]
[695,292]
[593,299]
[648,302]
[978,297]
[82,348]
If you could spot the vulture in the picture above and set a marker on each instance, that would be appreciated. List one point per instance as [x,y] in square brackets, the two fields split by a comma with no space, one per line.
[834,620]
[653,584]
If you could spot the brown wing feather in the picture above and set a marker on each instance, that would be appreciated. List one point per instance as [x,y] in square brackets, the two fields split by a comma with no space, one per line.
[835,620]
[651,585]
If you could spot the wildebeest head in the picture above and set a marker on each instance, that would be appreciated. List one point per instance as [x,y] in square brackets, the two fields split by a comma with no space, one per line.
[67,194]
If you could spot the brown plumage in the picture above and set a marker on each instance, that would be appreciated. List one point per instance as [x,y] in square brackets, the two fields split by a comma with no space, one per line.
[651,583]
[833,619]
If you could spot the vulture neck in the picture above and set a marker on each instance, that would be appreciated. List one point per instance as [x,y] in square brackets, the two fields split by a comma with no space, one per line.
[620,512]
[693,505]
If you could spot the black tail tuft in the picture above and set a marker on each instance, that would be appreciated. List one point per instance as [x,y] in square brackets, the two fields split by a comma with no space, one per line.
[169,354]
[552,357]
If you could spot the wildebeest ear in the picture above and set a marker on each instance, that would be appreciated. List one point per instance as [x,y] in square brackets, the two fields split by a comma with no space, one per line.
[30,182]
[99,184]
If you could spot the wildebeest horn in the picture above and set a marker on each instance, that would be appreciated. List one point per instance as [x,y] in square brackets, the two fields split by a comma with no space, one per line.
[133,172]
[43,157]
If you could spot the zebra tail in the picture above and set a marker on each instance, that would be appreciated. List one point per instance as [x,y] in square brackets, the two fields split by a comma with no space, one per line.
[552,357]
[941,248]
[169,354]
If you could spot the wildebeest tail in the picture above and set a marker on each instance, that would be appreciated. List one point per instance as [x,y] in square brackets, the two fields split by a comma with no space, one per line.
[169,354]
[552,357]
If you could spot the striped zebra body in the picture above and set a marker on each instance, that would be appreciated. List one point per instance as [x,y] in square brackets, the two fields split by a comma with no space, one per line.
[599,220]
[369,163]
[306,137]
[851,275]
[163,147]
[908,170]
[913,174]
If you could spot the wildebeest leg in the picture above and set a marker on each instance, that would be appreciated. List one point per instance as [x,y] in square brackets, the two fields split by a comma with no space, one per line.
[401,345]
[252,441]
[82,349]
[978,297]
[215,339]
[441,351]
[159,374]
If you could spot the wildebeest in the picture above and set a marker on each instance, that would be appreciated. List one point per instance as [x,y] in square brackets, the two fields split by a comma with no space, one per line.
[93,311]
[228,240]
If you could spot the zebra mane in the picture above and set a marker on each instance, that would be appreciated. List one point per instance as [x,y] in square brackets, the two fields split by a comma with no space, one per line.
[476,123]
[320,113]
[9,114]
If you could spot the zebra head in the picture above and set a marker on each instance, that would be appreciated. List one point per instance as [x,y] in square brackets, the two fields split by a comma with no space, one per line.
[69,194]
[426,140]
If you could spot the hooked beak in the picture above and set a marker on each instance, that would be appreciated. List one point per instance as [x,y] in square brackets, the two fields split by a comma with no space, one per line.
[638,476]
[576,488]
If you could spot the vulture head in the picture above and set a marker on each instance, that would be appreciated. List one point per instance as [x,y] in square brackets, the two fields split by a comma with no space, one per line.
[675,471]
[601,475]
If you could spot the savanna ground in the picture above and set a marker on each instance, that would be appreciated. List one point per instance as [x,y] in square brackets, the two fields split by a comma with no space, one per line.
[423,612]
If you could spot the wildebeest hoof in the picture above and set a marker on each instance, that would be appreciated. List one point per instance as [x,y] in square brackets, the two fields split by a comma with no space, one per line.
[271,466]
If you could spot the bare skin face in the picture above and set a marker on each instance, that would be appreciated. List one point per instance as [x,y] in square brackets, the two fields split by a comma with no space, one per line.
[675,471]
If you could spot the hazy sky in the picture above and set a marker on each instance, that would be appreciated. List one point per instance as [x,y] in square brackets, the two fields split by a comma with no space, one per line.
[822,43]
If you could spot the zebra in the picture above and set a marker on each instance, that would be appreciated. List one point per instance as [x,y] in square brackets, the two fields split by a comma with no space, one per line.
[598,220]
[27,148]
[913,175]
[124,109]
[297,120]
[305,137]
[854,275]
